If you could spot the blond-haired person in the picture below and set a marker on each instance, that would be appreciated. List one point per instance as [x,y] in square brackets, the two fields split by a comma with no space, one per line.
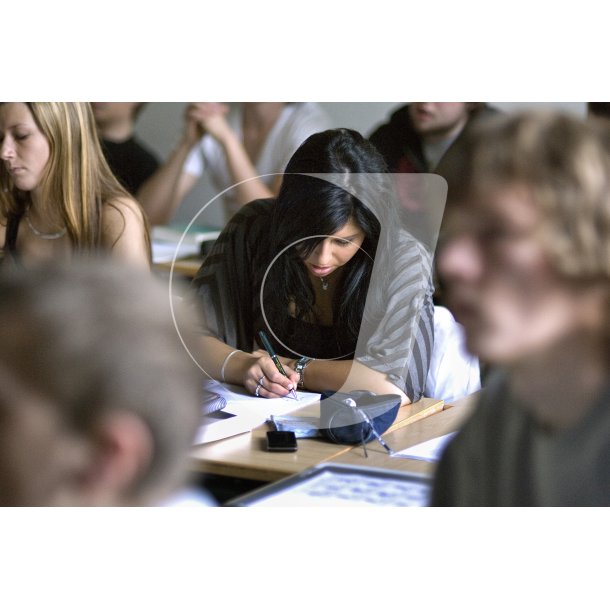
[57,193]
[526,265]
[99,401]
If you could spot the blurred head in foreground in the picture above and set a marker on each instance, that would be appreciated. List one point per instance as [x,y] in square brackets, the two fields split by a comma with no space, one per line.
[526,262]
[526,256]
[98,399]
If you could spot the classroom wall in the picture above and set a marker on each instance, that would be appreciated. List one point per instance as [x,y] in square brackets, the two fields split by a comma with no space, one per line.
[160,125]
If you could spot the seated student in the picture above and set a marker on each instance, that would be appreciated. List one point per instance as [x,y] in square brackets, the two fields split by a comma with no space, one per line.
[241,150]
[130,161]
[526,264]
[99,402]
[419,135]
[57,194]
[299,268]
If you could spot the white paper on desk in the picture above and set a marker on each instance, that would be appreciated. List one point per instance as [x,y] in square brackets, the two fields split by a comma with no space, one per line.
[164,252]
[248,411]
[165,242]
[429,451]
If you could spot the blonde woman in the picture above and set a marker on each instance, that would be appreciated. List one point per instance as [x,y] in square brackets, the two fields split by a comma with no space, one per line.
[57,193]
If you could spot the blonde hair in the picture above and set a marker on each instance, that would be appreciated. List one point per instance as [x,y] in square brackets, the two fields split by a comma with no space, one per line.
[564,162]
[77,182]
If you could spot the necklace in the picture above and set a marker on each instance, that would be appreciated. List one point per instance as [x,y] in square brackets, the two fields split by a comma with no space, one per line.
[44,235]
[324,283]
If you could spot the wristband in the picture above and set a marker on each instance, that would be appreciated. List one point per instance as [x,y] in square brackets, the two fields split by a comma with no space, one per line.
[224,364]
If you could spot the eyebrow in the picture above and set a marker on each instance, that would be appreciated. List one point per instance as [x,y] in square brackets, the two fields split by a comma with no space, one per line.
[349,238]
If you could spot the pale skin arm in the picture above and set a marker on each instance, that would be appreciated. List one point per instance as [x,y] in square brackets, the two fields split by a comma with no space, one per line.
[211,117]
[124,232]
[346,376]
[164,191]
[245,369]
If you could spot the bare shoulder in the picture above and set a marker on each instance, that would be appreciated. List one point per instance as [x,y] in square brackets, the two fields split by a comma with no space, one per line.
[124,229]
[121,211]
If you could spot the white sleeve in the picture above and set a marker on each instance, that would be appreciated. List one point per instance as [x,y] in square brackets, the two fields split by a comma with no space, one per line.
[195,162]
[308,118]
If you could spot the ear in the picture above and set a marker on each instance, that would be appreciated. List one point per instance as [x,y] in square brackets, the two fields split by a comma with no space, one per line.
[122,451]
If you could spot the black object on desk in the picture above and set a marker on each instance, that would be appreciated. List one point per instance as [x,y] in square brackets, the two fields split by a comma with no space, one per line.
[281,441]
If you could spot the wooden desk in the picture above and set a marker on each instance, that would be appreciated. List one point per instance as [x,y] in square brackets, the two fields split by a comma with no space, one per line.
[448,420]
[244,456]
[186,267]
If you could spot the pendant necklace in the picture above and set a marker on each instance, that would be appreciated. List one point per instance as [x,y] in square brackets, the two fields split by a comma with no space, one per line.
[324,283]
[44,235]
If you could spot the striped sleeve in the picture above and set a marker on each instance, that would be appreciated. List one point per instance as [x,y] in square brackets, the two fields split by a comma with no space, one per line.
[397,332]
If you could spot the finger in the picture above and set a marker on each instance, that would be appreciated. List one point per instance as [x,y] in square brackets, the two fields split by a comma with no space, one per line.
[274,390]
[275,377]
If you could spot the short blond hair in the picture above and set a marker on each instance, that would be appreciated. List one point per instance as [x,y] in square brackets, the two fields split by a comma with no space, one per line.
[97,336]
[564,162]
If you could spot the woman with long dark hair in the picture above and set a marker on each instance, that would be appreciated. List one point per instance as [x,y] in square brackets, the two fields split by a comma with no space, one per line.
[344,293]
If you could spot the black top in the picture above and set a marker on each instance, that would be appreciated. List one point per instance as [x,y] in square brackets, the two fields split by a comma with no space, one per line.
[10,239]
[130,162]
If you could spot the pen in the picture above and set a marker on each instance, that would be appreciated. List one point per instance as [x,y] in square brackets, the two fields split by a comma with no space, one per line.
[267,345]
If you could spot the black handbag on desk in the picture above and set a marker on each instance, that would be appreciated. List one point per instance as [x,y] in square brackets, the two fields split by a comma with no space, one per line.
[347,418]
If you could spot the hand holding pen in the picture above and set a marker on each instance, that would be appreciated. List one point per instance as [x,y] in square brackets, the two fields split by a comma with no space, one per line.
[269,348]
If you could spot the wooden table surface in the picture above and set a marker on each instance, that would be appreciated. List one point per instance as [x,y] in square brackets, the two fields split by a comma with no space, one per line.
[245,456]
[448,420]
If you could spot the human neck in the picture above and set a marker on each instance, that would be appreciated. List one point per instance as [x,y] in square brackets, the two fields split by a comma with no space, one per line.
[116,131]
[560,384]
[45,221]
[435,137]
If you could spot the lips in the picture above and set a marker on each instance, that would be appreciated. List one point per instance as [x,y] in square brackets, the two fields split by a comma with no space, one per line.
[321,271]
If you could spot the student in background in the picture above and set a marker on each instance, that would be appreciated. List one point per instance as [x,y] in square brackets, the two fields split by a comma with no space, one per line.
[427,137]
[526,264]
[419,135]
[130,161]
[99,402]
[57,193]
[238,150]
[314,248]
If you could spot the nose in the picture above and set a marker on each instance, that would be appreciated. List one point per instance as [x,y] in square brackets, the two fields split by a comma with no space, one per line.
[460,260]
[323,253]
[7,150]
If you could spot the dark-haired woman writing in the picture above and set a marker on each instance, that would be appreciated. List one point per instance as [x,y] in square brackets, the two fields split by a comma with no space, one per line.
[343,292]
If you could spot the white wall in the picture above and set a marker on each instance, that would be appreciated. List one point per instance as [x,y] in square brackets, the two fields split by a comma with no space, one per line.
[160,125]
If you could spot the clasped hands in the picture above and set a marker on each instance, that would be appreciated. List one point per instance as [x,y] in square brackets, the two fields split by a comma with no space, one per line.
[207,118]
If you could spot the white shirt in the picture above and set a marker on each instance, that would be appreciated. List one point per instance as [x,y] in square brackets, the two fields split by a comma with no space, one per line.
[295,124]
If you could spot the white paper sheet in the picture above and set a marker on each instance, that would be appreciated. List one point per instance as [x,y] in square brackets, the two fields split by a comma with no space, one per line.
[247,410]
[429,451]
